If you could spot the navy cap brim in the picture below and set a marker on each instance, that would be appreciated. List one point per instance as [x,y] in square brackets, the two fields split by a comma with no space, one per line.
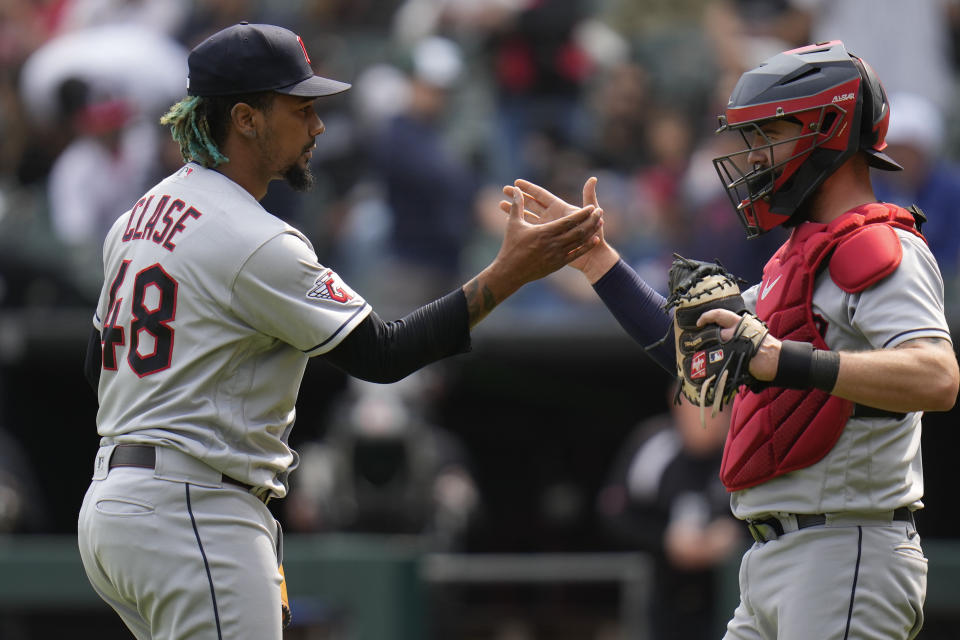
[314,87]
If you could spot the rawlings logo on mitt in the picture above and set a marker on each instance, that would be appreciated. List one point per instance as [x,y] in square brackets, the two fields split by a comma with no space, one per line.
[709,369]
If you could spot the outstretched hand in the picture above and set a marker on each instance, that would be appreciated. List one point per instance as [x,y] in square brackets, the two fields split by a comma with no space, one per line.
[532,248]
[535,248]
[542,206]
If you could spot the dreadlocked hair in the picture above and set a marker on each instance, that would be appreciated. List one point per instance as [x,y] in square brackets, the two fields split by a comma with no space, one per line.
[190,129]
[199,124]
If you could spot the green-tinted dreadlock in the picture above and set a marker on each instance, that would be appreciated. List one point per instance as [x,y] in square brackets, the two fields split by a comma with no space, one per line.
[199,124]
[190,129]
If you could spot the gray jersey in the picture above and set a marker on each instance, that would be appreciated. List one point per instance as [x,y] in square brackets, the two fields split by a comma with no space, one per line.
[209,311]
[876,463]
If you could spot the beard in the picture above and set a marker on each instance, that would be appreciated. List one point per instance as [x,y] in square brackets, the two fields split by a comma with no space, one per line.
[299,178]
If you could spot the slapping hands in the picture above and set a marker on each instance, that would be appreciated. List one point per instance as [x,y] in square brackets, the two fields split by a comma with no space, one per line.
[542,207]
[541,238]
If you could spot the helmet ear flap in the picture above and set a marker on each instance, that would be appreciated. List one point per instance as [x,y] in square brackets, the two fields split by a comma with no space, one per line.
[874,117]
[873,107]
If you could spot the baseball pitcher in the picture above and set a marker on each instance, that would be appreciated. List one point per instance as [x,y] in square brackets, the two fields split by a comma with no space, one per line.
[209,310]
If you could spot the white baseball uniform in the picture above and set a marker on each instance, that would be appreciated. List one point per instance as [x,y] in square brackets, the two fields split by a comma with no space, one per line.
[210,309]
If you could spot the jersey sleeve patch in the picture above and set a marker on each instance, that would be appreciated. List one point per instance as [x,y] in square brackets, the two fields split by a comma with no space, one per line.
[866,258]
[327,287]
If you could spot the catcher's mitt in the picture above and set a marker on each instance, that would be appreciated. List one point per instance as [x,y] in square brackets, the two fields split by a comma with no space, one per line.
[710,370]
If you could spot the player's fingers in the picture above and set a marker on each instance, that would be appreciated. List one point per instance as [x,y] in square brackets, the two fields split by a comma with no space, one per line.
[517,207]
[582,249]
[592,226]
[723,317]
[529,216]
[588,231]
[578,220]
[516,204]
[571,238]
[537,193]
[529,201]
[590,192]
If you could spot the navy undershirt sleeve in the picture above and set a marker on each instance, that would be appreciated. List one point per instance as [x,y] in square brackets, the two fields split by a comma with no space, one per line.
[639,310]
[385,352]
[92,361]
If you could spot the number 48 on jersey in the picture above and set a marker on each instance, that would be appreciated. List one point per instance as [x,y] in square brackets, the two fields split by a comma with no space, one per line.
[152,308]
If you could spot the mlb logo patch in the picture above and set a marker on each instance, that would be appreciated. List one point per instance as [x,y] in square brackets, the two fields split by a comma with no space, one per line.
[715,356]
[698,366]
[325,288]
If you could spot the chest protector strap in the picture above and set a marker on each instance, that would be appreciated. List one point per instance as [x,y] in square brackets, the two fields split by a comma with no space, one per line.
[780,430]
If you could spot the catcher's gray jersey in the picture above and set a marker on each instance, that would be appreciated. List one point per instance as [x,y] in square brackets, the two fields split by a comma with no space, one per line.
[876,464]
[209,311]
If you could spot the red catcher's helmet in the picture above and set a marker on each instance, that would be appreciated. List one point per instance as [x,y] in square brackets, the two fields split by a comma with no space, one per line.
[839,102]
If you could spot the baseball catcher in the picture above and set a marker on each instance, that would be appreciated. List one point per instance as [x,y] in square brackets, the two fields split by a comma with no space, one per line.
[822,459]
[710,369]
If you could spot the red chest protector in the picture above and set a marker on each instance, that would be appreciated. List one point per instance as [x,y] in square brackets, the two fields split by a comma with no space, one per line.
[780,430]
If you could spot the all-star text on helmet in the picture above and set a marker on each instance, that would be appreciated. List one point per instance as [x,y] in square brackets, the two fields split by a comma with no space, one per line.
[841,108]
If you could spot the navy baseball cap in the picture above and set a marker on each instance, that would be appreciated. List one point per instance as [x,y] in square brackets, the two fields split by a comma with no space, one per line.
[247,58]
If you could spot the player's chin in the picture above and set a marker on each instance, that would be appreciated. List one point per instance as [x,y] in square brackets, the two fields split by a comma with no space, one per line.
[299,176]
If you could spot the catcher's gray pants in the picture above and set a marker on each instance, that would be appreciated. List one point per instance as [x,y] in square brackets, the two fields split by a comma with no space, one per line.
[181,559]
[855,578]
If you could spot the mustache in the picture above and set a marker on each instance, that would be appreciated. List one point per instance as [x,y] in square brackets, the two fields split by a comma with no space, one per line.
[313,144]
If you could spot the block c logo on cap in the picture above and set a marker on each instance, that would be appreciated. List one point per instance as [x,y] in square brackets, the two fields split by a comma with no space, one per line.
[304,47]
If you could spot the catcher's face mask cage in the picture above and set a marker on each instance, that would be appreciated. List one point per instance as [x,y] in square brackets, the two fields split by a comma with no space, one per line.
[828,93]
[762,178]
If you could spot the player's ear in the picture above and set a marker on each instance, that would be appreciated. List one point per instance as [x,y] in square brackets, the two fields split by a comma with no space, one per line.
[246,119]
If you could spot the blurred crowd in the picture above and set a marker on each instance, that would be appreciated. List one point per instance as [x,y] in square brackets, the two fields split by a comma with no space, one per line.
[451,100]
